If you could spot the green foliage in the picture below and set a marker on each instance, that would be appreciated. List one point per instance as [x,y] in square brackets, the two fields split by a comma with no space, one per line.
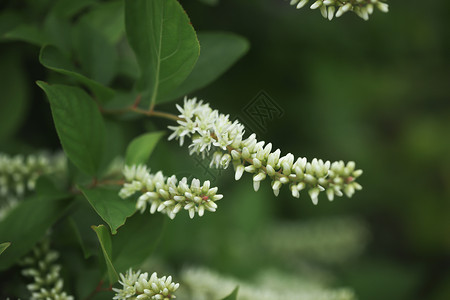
[28,222]
[79,125]
[219,51]
[141,147]
[233,295]
[4,246]
[109,206]
[104,238]
[164,42]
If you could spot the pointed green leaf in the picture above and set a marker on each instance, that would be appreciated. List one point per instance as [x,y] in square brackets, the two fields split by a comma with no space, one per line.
[3,246]
[55,60]
[27,33]
[233,295]
[25,225]
[109,206]
[219,51]
[137,240]
[140,149]
[105,243]
[165,44]
[79,125]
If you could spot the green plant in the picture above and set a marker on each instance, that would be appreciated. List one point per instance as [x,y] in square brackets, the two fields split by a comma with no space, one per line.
[102,87]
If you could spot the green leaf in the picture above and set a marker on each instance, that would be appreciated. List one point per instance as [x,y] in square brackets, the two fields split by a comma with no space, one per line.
[55,60]
[137,240]
[79,125]
[3,246]
[109,206]
[219,51]
[105,242]
[15,95]
[76,232]
[140,148]
[27,33]
[29,221]
[165,44]
[96,54]
[109,18]
[233,295]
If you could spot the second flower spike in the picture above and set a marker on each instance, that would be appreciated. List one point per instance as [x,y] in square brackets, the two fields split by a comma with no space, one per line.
[167,194]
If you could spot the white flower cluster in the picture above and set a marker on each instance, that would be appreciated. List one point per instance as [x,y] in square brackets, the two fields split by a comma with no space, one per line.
[168,195]
[331,8]
[139,286]
[18,174]
[48,283]
[210,130]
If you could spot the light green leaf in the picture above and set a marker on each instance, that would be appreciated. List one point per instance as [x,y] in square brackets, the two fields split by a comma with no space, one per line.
[79,125]
[109,206]
[136,241]
[140,149]
[53,59]
[3,246]
[105,243]
[165,44]
[15,96]
[233,295]
[219,51]
[28,222]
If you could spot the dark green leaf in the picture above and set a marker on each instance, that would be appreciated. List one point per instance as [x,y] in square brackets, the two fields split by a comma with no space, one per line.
[58,29]
[96,54]
[165,44]
[29,221]
[108,18]
[219,51]
[13,84]
[68,8]
[137,240]
[53,59]
[79,125]
[27,33]
[140,149]
[76,232]
[3,246]
[109,206]
[105,242]
[233,295]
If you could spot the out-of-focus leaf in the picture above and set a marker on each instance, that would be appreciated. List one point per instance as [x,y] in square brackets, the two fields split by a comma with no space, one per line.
[53,59]
[68,8]
[108,18]
[3,246]
[137,240]
[105,243]
[29,221]
[8,21]
[27,33]
[219,51]
[109,206]
[59,31]
[165,44]
[13,84]
[76,232]
[140,149]
[233,295]
[96,54]
[79,125]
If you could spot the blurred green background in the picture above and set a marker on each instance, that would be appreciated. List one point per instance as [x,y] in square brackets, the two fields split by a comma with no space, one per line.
[376,92]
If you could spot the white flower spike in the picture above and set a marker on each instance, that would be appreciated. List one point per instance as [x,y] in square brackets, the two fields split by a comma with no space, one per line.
[211,130]
[137,285]
[168,195]
[363,8]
